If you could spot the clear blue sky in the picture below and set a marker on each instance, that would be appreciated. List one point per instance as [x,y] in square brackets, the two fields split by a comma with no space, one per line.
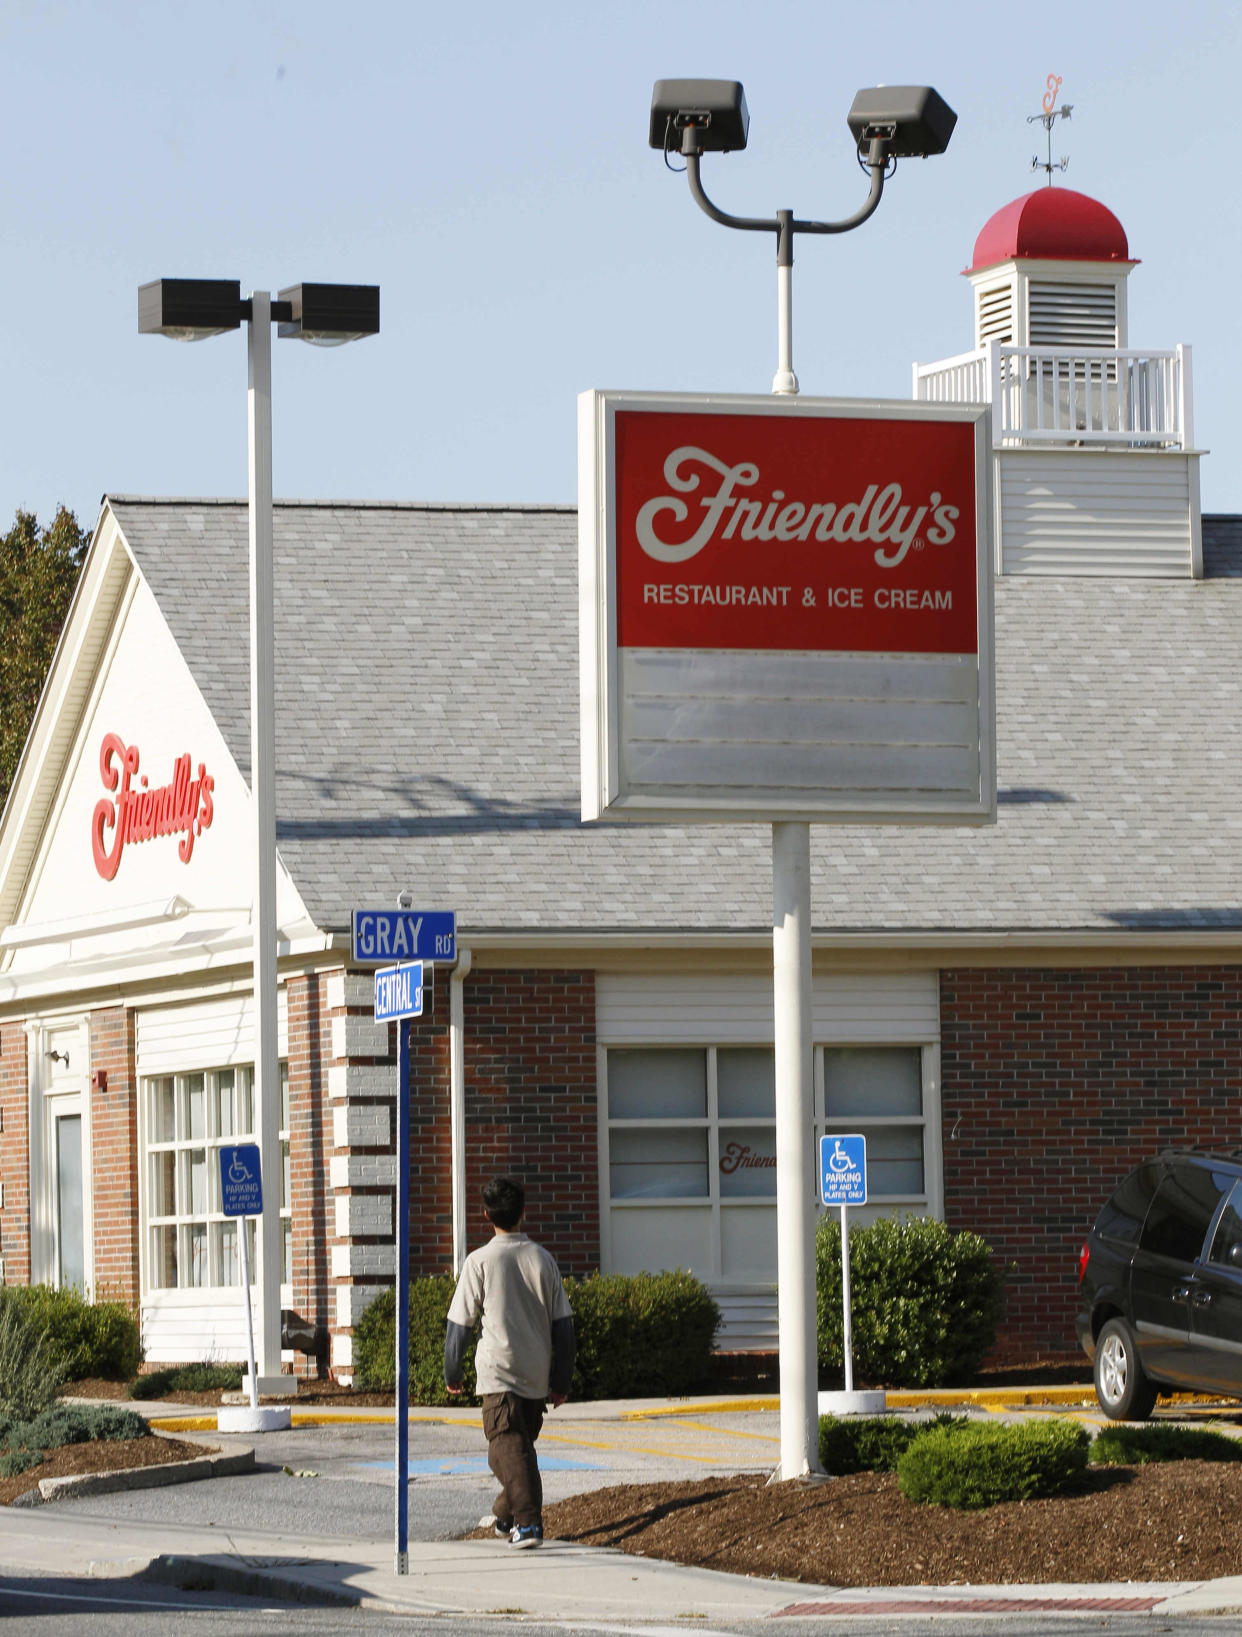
[486,164]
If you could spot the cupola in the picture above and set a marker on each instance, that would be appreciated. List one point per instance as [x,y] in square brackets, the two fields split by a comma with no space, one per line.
[1049,270]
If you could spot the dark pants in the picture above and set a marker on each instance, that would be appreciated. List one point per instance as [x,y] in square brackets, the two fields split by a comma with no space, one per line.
[512,1425]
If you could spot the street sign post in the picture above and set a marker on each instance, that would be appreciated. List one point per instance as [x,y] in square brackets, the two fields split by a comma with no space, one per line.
[843,1182]
[410,938]
[241,1195]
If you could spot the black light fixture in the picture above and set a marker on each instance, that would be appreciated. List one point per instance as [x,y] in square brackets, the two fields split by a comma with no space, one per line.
[888,123]
[193,309]
[190,309]
[328,315]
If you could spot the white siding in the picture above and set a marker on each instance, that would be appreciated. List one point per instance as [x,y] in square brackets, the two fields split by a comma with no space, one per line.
[858,1009]
[203,1034]
[1080,512]
[186,1327]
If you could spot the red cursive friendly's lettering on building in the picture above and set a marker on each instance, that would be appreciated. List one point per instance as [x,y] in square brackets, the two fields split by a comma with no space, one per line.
[138,812]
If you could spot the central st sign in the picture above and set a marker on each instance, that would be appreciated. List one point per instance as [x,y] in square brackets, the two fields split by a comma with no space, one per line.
[786,609]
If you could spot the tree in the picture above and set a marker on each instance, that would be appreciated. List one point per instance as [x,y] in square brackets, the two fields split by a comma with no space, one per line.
[38,572]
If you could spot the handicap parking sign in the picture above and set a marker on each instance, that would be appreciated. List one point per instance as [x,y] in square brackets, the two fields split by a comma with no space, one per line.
[241,1180]
[843,1169]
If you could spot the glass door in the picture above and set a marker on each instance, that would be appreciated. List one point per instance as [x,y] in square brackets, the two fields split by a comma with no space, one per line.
[70,1243]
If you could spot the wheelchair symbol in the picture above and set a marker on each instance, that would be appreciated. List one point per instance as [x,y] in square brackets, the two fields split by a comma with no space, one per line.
[839,1160]
[238,1171]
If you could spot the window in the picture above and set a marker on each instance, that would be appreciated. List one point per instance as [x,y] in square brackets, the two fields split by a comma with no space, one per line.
[191,1244]
[691,1148]
[1180,1214]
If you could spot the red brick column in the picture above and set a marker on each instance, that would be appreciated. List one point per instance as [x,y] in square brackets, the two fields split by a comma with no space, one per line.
[113,1093]
[1054,1085]
[310,1147]
[14,1154]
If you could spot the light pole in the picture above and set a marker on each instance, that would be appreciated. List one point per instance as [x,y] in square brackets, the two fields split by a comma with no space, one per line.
[327,315]
[690,118]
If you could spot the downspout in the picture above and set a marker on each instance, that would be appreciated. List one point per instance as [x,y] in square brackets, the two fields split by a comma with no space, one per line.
[457,1101]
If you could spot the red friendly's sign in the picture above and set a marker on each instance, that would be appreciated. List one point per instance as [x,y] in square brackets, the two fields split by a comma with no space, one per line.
[757,531]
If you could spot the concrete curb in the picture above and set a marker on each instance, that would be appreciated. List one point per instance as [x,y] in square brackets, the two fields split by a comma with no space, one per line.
[220,1463]
[194,1574]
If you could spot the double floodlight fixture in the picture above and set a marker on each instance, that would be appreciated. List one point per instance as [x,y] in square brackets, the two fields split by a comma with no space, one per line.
[888,123]
[328,315]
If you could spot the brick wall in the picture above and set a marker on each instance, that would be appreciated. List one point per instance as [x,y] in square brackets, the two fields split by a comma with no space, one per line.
[114,1155]
[14,1155]
[1054,1085]
[530,1110]
[310,1147]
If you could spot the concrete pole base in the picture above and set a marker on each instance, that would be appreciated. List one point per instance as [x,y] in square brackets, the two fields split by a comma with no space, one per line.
[266,1418]
[853,1403]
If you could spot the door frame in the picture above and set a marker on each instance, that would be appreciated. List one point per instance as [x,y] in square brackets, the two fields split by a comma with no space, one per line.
[54,1093]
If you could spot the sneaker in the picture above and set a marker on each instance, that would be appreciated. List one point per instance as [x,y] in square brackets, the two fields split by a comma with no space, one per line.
[526,1534]
[499,1527]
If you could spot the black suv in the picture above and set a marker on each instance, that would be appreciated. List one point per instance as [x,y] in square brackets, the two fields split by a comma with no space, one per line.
[1160,1284]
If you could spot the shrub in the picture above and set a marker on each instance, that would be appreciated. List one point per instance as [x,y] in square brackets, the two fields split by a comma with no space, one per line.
[187,1378]
[641,1335]
[84,1338]
[646,1334]
[375,1343]
[29,1373]
[871,1443]
[16,1461]
[73,1424]
[983,1463]
[924,1301]
[1135,1446]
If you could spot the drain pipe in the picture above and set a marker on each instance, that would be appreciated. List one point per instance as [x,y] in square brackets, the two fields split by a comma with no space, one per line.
[457,1101]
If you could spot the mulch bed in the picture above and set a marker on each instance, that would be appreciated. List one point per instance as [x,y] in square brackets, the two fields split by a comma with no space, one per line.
[1172,1521]
[102,1455]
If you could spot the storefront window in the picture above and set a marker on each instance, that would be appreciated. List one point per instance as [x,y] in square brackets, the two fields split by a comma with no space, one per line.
[191,1244]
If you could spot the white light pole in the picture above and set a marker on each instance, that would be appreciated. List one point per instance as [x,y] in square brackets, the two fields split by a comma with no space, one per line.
[328,315]
[690,118]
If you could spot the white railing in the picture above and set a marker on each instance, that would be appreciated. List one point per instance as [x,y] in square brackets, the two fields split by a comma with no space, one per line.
[1084,395]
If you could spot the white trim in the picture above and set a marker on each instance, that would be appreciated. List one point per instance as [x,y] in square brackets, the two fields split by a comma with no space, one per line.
[45,1104]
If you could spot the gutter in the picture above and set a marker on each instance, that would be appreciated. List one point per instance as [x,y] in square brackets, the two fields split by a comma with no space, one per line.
[457,1100]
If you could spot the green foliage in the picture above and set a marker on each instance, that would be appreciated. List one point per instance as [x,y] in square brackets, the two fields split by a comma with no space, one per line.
[202,1377]
[871,1443]
[1122,1445]
[16,1461]
[73,1424]
[38,572]
[982,1463]
[29,1371]
[645,1335]
[83,1338]
[375,1344]
[924,1301]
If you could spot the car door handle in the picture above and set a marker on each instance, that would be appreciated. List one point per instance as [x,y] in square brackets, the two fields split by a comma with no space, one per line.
[1181,1293]
[1201,1298]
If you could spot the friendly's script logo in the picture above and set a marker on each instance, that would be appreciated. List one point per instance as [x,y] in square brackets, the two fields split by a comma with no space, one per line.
[880,516]
[182,807]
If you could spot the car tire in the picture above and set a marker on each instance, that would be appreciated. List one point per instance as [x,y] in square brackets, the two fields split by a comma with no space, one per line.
[1124,1390]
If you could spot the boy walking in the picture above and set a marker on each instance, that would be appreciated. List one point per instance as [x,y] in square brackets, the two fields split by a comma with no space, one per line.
[525,1357]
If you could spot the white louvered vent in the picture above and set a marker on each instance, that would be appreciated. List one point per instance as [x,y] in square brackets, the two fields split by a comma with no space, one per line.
[1073,315]
[995,314]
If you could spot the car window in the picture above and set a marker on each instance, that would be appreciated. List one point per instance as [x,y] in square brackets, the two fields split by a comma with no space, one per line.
[1181,1213]
[1226,1250]
[1123,1216]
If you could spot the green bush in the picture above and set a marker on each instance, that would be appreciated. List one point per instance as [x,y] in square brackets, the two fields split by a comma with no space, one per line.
[16,1461]
[1136,1446]
[649,1334]
[84,1338]
[187,1378]
[871,1443]
[983,1463]
[29,1373]
[924,1301]
[375,1344]
[73,1424]
[641,1335]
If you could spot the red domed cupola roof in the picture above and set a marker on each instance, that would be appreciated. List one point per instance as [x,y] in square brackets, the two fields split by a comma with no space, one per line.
[1051,224]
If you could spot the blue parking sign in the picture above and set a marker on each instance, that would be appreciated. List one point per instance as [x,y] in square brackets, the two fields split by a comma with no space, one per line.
[241,1180]
[843,1169]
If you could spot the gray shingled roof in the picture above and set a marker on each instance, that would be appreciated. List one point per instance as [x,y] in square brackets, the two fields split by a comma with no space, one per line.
[427,737]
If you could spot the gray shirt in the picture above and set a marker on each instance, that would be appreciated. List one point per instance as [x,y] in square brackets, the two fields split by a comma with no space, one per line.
[516,1286]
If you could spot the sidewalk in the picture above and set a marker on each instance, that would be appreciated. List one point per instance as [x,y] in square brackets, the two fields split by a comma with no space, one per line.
[561,1581]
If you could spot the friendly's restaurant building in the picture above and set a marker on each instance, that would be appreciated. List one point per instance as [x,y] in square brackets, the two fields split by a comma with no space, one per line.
[1012,1015]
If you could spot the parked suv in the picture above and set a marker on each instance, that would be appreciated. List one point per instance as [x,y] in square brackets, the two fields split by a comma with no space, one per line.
[1160,1284]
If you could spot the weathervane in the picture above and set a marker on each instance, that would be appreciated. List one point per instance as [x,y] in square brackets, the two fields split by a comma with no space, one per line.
[1048,119]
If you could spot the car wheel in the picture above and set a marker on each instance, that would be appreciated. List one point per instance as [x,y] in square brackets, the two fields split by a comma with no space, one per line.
[1122,1386]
